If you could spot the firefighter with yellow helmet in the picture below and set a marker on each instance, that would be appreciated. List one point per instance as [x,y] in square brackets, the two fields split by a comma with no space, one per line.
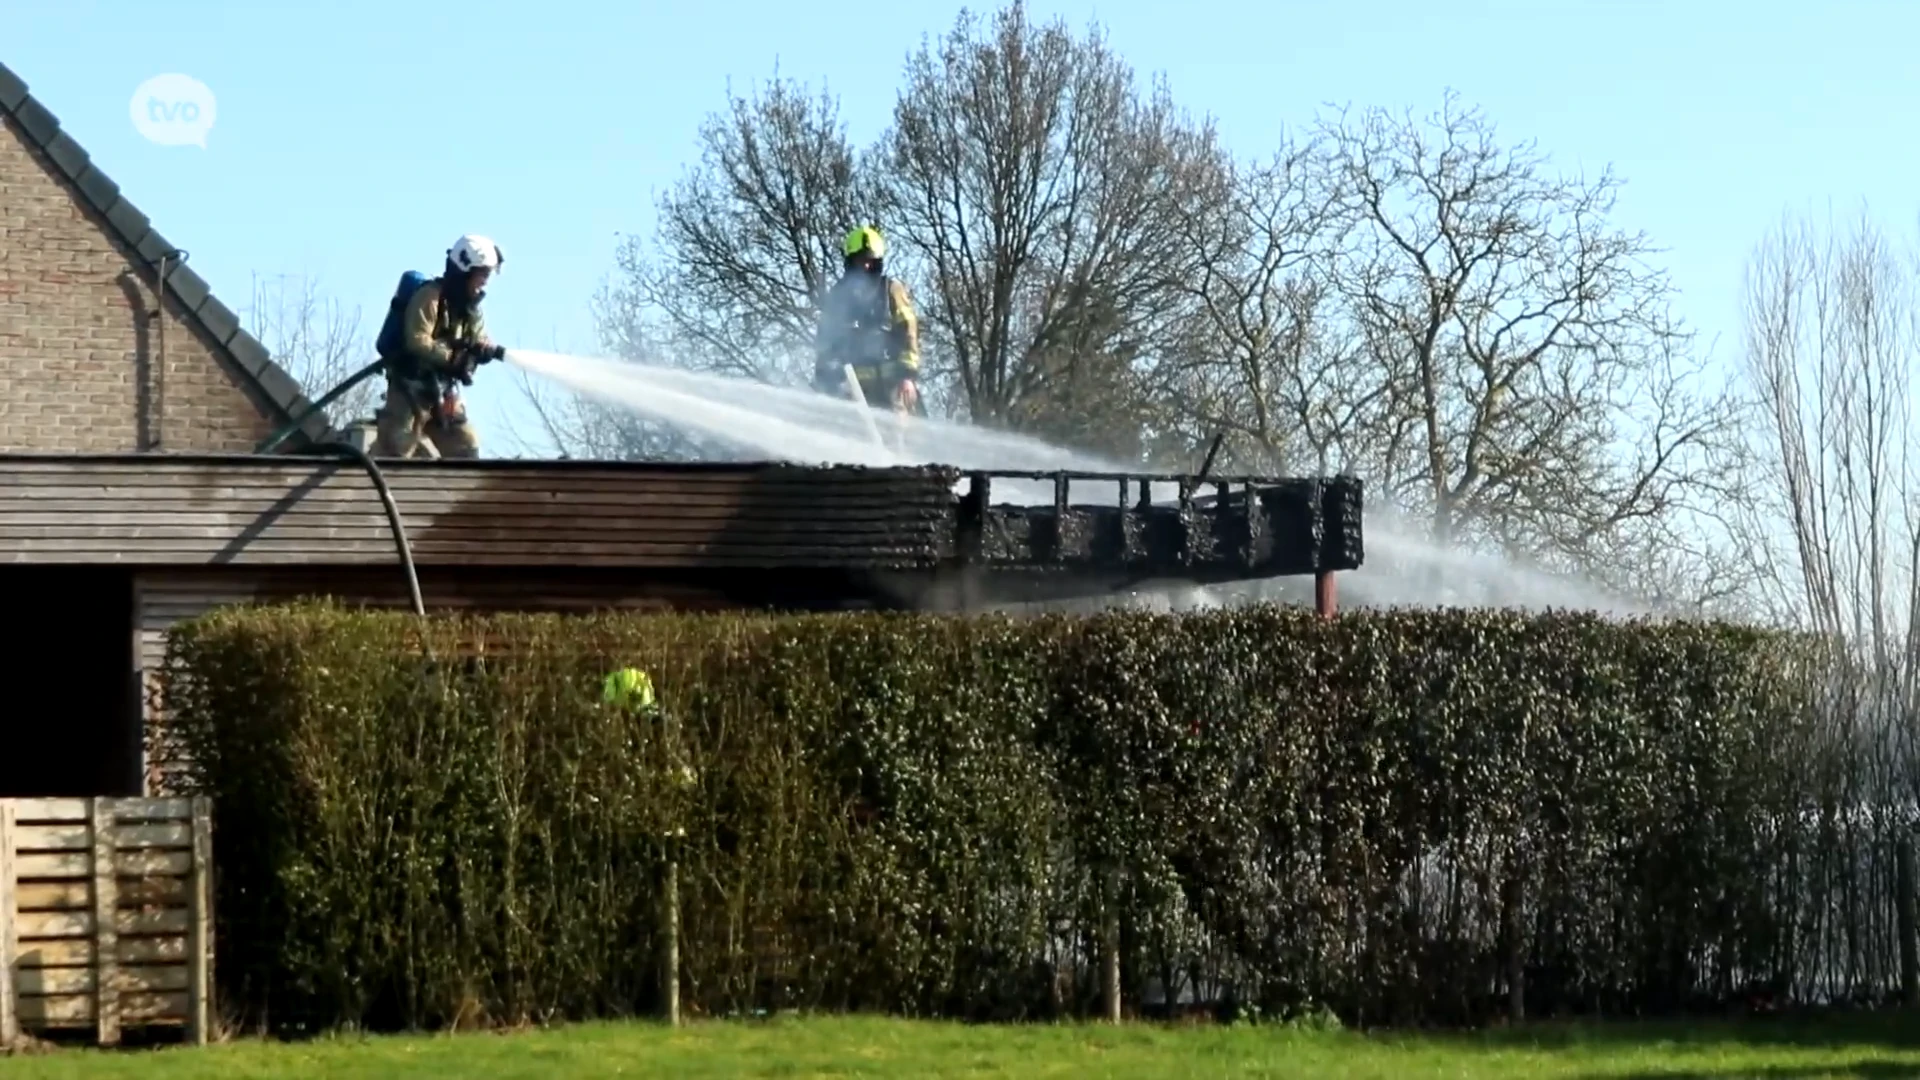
[867,322]
[629,688]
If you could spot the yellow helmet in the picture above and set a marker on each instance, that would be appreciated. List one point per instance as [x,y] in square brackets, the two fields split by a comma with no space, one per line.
[628,688]
[867,239]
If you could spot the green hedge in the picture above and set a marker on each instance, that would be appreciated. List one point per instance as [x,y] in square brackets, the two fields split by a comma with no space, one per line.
[418,822]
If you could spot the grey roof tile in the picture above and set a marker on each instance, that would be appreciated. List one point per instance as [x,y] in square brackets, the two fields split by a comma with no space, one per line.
[127,220]
[250,353]
[153,245]
[221,322]
[101,191]
[279,386]
[133,229]
[186,283]
[67,154]
[34,119]
[12,90]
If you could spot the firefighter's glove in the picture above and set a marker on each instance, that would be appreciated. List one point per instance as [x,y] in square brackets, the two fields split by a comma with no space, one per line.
[472,356]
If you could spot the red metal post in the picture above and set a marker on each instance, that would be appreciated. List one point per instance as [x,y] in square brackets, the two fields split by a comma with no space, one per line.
[1323,593]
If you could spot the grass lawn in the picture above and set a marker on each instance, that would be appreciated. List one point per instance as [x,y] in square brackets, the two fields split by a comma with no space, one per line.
[1856,1046]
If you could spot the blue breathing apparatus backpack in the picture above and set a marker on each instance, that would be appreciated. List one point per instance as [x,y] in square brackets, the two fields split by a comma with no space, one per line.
[388,344]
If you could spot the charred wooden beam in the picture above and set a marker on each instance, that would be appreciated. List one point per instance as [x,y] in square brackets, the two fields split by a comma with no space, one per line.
[1267,529]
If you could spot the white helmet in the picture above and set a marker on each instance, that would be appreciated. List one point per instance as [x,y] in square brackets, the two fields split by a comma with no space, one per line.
[474,250]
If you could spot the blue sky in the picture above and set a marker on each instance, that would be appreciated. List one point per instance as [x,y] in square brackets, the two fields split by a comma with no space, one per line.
[355,140]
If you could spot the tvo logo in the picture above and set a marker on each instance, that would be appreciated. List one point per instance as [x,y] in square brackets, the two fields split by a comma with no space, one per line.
[173,110]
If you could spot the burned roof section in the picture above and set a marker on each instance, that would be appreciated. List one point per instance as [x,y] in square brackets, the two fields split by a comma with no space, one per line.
[917,527]
[1238,527]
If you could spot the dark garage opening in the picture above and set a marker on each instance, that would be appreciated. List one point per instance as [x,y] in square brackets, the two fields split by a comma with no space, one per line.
[70,722]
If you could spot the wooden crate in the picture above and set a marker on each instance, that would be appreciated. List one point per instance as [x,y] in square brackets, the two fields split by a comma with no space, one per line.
[105,915]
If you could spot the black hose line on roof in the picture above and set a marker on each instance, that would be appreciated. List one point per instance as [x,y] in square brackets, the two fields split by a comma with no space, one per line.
[399,528]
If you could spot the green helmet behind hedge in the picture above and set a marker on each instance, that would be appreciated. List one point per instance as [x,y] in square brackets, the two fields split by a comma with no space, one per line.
[628,688]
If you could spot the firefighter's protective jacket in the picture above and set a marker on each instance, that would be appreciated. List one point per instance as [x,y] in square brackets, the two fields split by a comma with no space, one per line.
[431,329]
[867,320]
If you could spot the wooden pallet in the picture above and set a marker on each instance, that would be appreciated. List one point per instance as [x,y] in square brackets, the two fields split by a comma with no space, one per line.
[105,916]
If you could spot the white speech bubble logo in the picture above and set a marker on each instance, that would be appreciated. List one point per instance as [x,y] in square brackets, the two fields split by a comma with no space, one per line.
[172,110]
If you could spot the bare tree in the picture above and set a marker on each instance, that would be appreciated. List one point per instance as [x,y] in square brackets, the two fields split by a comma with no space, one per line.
[1030,193]
[1829,514]
[746,242]
[1036,196]
[1409,300]
[1270,359]
[730,279]
[318,341]
[1537,391]
[1832,326]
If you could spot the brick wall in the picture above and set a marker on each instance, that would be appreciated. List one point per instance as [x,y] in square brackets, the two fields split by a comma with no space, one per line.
[77,349]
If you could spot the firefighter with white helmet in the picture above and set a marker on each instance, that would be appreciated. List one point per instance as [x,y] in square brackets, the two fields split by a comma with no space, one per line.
[434,339]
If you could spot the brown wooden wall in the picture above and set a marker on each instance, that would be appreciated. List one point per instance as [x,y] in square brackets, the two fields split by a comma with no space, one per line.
[233,511]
